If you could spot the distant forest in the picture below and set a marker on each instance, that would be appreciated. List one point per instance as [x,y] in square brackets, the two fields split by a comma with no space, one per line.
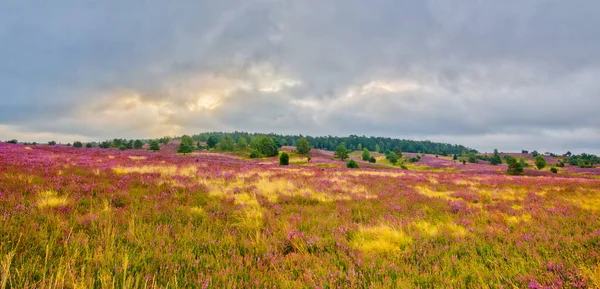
[352,142]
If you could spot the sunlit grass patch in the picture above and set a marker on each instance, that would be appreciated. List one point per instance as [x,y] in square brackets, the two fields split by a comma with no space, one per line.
[513,220]
[381,238]
[271,188]
[439,229]
[27,148]
[51,199]
[188,171]
[137,158]
[427,191]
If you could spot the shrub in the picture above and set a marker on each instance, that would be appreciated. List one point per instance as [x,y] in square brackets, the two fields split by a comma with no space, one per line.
[89,145]
[341,152]
[266,146]
[561,164]
[352,164]
[372,159]
[212,142]
[226,143]
[514,167]
[365,154]
[254,154]
[13,141]
[302,146]
[138,144]
[52,143]
[154,146]
[392,157]
[122,147]
[242,143]
[554,170]
[540,162]
[472,158]
[284,159]
[77,144]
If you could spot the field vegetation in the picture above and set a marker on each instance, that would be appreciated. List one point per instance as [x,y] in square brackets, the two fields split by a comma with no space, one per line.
[77,217]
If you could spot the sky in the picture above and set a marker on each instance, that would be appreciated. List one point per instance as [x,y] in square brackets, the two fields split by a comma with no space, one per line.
[508,74]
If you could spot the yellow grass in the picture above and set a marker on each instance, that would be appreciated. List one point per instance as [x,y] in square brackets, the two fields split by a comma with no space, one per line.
[381,238]
[51,199]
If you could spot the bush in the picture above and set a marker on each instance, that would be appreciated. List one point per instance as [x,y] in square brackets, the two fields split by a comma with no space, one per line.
[266,146]
[138,144]
[341,152]
[365,154]
[540,162]
[352,164]
[89,145]
[77,144]
[514,167]
[13,141]
[372,159]
[284,159]
[122,147]
[226,143]
[392,157]
[154,146]
[554,170]
[254,154]
[302,146]
[561,165]
[51,143]
[212,142]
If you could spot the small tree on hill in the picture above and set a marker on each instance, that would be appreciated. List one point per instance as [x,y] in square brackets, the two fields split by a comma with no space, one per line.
[302,146]
[154,146]
[341,152]
[77,144]
[535,154]
[52,143]
[186,146]
[495,160]
[352,164]
[393,158]
[212,142]
[89,145]
[398,151]
[138,144]
[472,158]
[366,155]
[540,162]
[284,159]
[514,167]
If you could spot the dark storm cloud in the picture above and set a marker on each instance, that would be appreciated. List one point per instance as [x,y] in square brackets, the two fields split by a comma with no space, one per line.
[486,73]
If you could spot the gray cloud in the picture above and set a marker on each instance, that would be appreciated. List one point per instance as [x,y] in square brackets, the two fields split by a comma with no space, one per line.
[509,74]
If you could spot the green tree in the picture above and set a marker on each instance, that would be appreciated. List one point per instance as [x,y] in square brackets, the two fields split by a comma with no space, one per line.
[89,145]
[254,154]
[52,143]
[284,159]
[341,152]
[302,146]
[495,160]
[212,142]
[393,158]
[226,143]
[186,145]
[523,163]
[514,167]
[242,144]
[352,164]
[154,146]
[77,144]
[472,158]
[366,155]
[372,159]
[138,144]
[359,147]
[540,162]
[554,170]
[122,147]
[267,147]
[165,140]
[535,154]
[398,151]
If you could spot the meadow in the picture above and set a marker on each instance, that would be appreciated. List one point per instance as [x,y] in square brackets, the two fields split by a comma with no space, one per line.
[105,218]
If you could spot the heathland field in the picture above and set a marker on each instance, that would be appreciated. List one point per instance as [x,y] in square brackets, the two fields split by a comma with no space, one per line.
[105,218]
